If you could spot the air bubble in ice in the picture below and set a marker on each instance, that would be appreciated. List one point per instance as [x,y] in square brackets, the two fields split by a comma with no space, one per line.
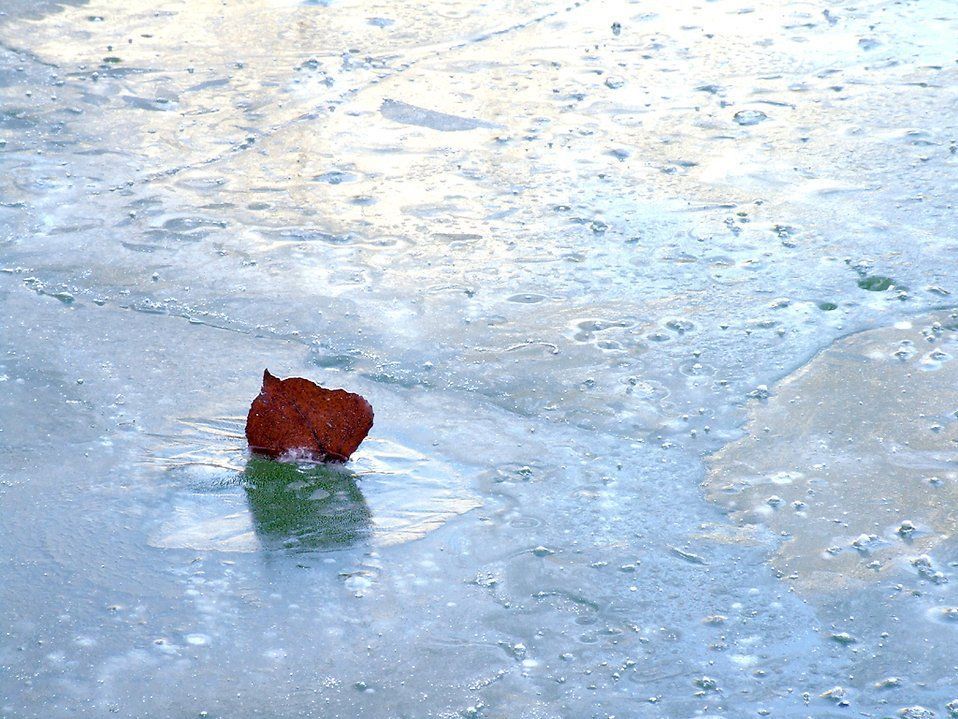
[750,117]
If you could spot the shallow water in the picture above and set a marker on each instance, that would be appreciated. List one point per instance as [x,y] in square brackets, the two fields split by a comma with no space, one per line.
[613,277]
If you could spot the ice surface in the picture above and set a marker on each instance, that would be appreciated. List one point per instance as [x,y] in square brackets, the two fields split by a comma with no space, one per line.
[581,257]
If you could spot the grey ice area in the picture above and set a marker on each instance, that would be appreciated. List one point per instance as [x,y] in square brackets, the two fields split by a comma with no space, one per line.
[660,343]
[411,115]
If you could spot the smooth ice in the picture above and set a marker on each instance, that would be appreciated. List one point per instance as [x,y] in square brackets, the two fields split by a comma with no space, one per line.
[653,300]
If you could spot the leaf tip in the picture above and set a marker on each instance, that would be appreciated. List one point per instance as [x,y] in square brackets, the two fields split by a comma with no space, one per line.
[268,379]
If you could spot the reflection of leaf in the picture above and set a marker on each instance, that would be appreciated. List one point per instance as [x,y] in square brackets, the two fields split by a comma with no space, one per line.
[304,508]
[298,415]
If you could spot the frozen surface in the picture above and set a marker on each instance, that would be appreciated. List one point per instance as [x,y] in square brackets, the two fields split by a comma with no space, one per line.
[563,249]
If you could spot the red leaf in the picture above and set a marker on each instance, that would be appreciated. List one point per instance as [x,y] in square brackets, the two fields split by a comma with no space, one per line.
[296,415]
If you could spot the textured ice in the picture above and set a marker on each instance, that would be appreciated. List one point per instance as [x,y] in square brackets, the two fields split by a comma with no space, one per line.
[576,318]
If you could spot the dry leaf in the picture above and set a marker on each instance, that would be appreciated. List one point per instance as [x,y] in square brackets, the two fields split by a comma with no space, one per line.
[295,415]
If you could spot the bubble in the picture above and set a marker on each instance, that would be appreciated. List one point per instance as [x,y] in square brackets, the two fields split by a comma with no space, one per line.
[749,117]
[706,684]
[916,712]
[843,638]
[526,298]
[837,695]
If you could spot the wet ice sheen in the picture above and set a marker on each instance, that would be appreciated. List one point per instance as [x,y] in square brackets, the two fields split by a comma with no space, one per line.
[566,250]
[858,448]
[222,500]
